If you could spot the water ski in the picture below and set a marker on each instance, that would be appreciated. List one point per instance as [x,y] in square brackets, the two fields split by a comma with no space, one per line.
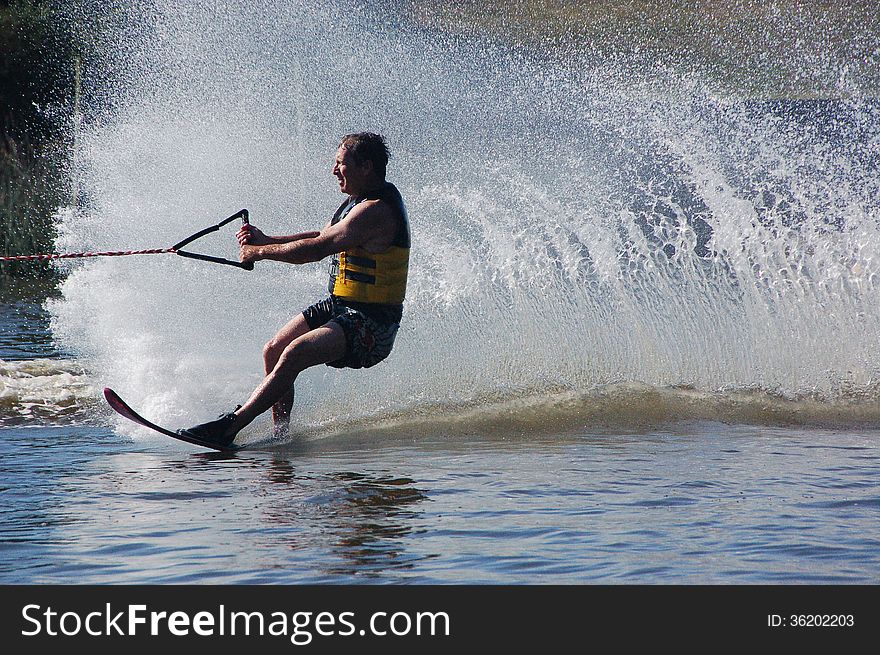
[122,408]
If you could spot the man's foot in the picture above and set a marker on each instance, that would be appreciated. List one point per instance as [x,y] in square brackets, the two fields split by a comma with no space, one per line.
[214,431]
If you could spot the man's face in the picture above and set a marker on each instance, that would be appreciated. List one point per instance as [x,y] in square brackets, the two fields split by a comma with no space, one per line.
[352,176]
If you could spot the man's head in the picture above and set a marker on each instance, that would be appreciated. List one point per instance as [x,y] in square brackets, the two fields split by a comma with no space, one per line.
[361,161]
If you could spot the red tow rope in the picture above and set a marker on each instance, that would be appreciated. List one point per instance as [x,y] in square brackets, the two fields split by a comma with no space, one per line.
[176,248]
[74,255]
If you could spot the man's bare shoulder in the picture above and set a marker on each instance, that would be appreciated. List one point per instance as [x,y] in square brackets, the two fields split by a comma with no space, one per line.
[370,225]
[374,208]
[378,213]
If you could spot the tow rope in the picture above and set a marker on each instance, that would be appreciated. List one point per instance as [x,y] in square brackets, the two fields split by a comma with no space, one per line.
[175,249]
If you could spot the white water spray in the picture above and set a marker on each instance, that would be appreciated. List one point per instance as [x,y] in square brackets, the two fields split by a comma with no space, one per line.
[575,228]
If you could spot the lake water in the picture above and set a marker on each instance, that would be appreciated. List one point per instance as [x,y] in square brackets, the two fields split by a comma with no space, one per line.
[688,502]
[641,341]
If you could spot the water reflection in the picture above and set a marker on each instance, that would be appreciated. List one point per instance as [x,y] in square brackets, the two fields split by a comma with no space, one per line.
[343,523]
[24,331]
[369,514]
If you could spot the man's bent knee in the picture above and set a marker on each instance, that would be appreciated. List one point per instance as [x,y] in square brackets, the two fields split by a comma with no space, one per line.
[325,344]
[272,351]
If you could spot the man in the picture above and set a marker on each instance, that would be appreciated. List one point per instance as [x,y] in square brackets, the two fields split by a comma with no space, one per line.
[355,327]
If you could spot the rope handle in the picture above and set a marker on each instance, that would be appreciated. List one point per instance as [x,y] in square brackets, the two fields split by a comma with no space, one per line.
[243,214]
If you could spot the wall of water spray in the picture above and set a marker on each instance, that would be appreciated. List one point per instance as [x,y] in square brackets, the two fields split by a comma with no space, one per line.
[580,222]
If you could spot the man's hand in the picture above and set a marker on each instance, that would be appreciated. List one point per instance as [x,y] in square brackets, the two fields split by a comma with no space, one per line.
[254,246]
[248,253]
[248,234]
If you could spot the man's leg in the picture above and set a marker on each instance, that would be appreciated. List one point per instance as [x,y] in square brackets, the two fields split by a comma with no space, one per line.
[324,344]
[272,352]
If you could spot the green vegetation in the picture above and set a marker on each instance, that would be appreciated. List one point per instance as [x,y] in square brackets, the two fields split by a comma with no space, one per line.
[32,187]
[38,75]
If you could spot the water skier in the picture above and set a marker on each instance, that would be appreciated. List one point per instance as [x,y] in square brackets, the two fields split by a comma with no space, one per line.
[355,326]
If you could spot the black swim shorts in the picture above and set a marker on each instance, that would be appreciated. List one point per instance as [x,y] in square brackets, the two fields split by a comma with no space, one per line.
[369,329]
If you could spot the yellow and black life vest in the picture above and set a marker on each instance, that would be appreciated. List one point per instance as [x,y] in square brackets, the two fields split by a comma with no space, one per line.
[358,275]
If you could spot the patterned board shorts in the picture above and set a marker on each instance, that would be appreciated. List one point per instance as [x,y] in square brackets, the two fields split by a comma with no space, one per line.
[368,340]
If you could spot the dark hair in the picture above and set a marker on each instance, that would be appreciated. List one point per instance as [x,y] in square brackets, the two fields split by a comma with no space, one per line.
[366,146]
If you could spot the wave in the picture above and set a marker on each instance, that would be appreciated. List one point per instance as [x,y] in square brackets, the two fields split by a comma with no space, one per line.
[619,408]
[41,392]
[44,392]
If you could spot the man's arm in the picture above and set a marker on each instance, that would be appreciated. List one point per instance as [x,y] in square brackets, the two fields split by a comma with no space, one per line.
[248,234]
[370,225]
